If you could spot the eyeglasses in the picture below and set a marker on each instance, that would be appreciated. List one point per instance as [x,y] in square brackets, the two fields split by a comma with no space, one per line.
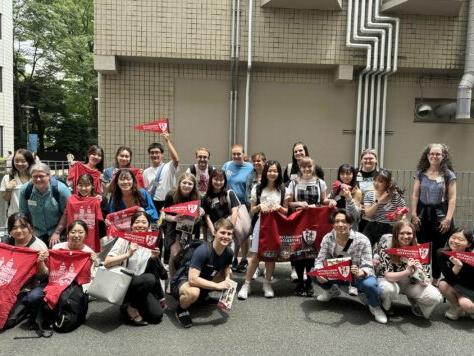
[39,177]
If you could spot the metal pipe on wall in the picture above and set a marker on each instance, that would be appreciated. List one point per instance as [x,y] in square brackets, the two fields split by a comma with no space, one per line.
[464,95]
[249,69]
[231,94]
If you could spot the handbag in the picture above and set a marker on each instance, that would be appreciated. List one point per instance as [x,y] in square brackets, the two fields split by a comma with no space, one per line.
[111,285]
[243,225]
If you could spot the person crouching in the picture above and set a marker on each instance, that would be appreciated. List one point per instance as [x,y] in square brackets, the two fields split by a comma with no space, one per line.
[208,269]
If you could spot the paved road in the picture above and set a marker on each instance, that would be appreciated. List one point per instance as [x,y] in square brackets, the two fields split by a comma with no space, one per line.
[284,325]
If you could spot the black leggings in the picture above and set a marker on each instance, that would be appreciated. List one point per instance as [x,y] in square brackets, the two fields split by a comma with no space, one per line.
[300,266]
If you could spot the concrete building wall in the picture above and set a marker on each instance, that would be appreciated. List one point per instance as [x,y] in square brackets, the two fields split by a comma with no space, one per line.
[6,63]
[286,106]
[201,30]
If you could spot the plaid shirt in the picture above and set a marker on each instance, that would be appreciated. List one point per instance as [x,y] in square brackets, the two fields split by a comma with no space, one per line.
[360,251]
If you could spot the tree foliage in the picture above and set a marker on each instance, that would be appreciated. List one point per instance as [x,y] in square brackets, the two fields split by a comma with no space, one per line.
[54,73]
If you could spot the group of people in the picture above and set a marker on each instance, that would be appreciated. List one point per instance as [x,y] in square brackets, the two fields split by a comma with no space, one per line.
[369,217]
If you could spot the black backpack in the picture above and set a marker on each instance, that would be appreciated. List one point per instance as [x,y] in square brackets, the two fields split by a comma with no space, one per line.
[71,310]
[192,169]
[54,181]
[183,258]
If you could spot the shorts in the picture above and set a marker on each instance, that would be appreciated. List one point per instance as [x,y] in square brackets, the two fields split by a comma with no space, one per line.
[176,284]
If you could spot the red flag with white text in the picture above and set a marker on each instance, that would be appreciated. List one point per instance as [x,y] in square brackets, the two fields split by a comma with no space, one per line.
[146,239]
[339,272]
[159,126]
[122,219]
[190,208]
[297,236]
[419,252]
[17,265]
[466,257]
[64,267]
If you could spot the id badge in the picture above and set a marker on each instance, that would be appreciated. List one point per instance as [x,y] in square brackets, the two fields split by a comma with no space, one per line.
[31,202]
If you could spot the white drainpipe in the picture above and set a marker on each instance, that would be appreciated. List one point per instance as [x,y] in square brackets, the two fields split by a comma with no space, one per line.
[463,109]
[249,69]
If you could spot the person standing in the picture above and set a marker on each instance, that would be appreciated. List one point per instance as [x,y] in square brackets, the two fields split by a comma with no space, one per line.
[201,169]
[44,200]
[434,199]
[237,172]
[160,177]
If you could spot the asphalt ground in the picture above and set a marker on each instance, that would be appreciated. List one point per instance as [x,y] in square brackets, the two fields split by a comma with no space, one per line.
[284,325]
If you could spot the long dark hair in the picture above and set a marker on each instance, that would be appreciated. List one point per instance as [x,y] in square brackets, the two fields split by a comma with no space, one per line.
[347,168]
[294,163]
[137,215]
[222,195]
[117,192]
[120,150]
[86,177]
[22,218]
[177,195]
[97,149]
[445,165]
[264,181]
[386,176]
[28,158]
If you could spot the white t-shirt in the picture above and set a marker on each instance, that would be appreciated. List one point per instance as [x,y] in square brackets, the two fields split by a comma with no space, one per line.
[167,179]
[137,263]
[268,196]
[14,206]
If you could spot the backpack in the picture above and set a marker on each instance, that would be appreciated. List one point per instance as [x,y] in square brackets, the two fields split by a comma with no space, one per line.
[183,258]
[192,169]
[71,310]
[54,181]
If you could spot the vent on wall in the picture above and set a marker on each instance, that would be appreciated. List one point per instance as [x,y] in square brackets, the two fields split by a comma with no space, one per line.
[422,7]
[437,111]
[304,4]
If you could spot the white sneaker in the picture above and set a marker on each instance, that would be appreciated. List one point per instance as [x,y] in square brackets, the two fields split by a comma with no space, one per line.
[353,291]
[294,275]
[328,294]
[267,289]
[454,313]
[379,315]
[256,274]
[386,302]
[244,291]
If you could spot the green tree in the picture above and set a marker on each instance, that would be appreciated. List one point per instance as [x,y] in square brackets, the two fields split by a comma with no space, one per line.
[54,73]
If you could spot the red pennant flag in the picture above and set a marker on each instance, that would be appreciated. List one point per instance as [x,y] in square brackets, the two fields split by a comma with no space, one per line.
[65,266]
[160,126]
[145,239]
[419,252]
[392,216]
[466,257]
[190,208]
[17,265]
[122,219]
[339,272]
[77,170]
[297,236]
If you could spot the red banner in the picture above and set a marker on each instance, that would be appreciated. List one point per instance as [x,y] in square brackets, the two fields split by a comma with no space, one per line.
[339,272]
[77,170]
[17,265]
[66,266]
[145,239]
[297,236]
[88,210]
[419,252]
[466,257]
[122,219]
[160,126]
[392,216]
[190,208]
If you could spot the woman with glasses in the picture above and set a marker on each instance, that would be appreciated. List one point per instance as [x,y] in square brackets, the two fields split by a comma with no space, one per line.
[434,199]
[365,178]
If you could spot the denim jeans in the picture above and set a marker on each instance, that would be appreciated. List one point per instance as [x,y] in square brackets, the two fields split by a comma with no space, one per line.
[367,285]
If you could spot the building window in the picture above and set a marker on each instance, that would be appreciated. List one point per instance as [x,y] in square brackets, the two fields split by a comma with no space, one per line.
[1,141]
[0,26]
[1,79]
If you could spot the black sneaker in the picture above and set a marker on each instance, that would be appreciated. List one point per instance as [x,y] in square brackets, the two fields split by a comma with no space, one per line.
[308,290]
[242,266]
[183,317]
[300,290]
[235,263]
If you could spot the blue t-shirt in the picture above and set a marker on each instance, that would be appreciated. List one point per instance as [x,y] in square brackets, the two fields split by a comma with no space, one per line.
[237,178]
[210,263]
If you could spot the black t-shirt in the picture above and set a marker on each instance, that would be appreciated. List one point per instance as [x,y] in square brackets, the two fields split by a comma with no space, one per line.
[206,260]
[217,206]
